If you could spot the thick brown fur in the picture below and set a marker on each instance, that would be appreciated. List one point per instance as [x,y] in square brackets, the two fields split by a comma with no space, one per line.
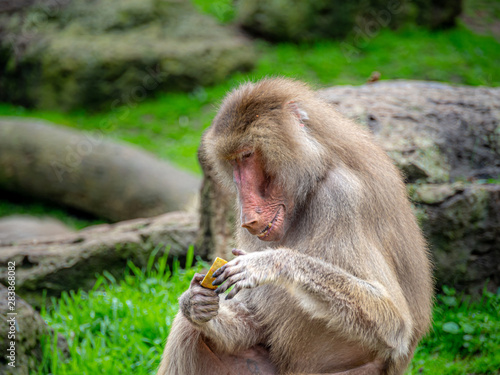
[349,287]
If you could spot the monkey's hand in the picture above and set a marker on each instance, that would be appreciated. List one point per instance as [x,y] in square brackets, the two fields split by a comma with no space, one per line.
[199,304]
[247,271]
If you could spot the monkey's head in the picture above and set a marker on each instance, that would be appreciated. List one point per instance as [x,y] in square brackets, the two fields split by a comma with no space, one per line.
[263,143]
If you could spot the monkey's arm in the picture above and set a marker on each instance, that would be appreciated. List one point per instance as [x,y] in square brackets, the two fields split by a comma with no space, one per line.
[360,308]
[229,325]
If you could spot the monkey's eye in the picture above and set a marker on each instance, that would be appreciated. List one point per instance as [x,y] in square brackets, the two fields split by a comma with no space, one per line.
[246,155]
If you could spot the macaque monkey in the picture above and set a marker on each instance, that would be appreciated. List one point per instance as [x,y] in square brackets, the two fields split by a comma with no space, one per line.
[332,274]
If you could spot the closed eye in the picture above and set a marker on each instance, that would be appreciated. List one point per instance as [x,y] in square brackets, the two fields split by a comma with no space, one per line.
[246,155]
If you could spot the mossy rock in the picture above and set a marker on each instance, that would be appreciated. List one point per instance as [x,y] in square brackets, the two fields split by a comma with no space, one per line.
[30,331]
[300,20]
[436,133]
[437,14]
[105,54]
[461,222]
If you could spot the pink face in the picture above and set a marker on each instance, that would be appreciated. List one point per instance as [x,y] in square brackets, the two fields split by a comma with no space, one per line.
[263,205]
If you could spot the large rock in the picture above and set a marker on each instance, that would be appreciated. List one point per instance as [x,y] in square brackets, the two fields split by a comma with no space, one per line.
[88,172]
[462,223]
[29,329]
[72,261]
[301,20]
[438,13]
[435,133]
[103,54]
[446,140]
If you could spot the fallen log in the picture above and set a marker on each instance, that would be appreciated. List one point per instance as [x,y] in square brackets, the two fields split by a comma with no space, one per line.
[88,172]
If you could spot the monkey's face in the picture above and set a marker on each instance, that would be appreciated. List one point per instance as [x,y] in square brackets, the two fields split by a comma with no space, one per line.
[263,204]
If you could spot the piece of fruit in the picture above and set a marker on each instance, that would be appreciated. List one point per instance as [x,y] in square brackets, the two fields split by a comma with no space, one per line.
[208,279]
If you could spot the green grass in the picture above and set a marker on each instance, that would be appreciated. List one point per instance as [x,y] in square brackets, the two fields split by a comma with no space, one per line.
[119,327]
[465,338]
[221,10]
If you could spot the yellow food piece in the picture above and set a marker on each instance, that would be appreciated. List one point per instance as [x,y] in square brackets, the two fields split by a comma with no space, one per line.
[208,279]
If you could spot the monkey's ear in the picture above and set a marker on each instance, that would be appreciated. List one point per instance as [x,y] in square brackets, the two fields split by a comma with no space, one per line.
[295,108]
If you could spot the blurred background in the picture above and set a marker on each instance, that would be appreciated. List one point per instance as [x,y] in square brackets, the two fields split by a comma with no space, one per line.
[151,73]
[102,106]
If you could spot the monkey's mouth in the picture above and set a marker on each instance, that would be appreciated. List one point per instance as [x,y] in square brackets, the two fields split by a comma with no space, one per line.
[267,230]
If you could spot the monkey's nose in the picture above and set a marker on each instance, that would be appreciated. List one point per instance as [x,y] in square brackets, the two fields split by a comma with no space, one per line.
[250,222]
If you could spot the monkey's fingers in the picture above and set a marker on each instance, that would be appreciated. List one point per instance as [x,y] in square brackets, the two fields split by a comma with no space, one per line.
[199,290]
[217,273]
[203,300]
[244,282]
[230,282]
[207,309]
[226,273]
[222,269]
[239,252]
[235,290]
[197,279]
